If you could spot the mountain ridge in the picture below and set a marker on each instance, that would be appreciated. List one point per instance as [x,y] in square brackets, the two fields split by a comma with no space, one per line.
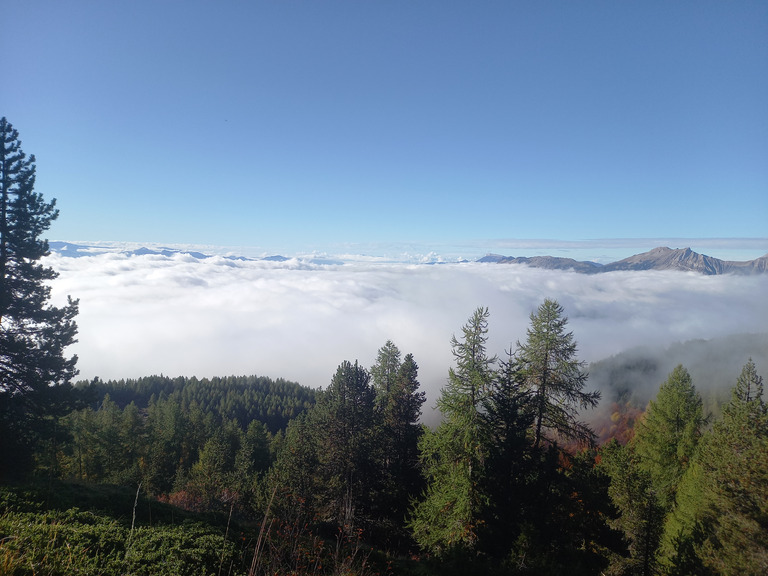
[661,258]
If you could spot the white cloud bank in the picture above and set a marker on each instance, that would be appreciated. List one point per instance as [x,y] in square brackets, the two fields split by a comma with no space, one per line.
[143,315]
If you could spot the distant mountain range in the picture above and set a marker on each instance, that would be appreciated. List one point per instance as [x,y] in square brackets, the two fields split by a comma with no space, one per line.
[683,259]
[81,250]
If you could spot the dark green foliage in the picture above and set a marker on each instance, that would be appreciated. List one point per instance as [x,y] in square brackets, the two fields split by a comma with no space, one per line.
[398,409]
[665,440]
[641,514]
[55,541]
[326,467]
[34,373]
[720,521]
[344,428]
[195,460]
[510,481]
[103,446]
[694,502]
[453,457]
[67,529]
[646,473]
[292,477]
[351,462]
[241,398]
[548,366]
[497,486]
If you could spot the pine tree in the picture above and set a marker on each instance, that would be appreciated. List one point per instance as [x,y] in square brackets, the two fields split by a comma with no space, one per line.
[293,476]
[34,373]
[343,425]
[384,372]
[398,411]
[554,377]
[511,461]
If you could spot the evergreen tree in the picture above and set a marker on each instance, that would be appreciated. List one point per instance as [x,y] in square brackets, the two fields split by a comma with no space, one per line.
[293,478]
[555,379]
[511,463]
[641,516]
[343,425]
[34,373]
[385,371]
[748,393]
[689,521]
[252,462]
[173,444]
[453,457]
[665,439]
[398,411]
[718,524]
[132,444]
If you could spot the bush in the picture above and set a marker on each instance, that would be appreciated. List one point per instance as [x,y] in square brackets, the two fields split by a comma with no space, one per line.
[41,542]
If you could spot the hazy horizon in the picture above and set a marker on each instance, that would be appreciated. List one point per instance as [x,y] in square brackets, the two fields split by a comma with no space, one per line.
[602,250]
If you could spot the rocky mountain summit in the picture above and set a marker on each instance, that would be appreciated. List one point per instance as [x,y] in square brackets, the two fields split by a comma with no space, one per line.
[683,259]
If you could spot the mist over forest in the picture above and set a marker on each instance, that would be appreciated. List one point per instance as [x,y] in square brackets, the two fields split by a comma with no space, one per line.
[294,319]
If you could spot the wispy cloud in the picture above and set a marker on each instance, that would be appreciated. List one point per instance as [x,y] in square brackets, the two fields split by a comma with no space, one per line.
[142,315]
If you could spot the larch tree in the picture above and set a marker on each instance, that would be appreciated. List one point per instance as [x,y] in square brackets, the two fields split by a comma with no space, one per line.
[718,524]
[641,517]
[554,377]
[453,457]
[35,374]
[666,438]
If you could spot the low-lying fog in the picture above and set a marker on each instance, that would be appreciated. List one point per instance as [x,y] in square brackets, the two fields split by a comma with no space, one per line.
[143,315]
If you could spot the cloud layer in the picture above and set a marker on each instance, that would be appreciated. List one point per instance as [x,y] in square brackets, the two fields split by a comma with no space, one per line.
[142,315]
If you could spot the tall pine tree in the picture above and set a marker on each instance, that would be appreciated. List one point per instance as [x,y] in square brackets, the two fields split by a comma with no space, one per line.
[34,372]
[344,424]
[398,411]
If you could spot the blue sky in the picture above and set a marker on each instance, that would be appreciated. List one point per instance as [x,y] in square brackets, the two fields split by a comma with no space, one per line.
[294,126]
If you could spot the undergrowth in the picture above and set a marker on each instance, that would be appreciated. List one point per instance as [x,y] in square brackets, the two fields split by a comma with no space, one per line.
[75,529]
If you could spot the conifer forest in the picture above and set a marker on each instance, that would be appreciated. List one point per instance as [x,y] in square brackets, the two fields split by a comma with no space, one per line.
[249,475]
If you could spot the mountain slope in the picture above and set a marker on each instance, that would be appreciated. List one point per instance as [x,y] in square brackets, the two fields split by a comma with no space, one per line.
[683,259]
[687,260]
[549,262]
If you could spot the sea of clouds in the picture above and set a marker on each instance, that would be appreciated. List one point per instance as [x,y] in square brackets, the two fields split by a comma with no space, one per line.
[182,316]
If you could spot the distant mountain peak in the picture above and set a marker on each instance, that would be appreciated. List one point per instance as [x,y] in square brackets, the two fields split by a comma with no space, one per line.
[660,258]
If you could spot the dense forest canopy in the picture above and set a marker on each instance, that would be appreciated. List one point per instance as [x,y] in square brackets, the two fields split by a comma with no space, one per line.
[239,398]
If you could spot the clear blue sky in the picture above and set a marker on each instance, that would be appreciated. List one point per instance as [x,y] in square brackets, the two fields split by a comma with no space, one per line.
[298,124]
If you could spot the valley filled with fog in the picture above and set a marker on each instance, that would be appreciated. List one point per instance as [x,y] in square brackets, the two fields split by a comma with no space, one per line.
[297,319]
